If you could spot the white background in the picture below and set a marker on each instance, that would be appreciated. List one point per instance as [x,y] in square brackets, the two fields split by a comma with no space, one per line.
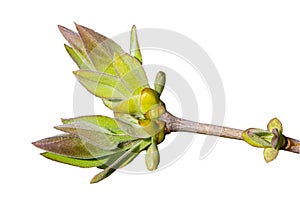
[255,46]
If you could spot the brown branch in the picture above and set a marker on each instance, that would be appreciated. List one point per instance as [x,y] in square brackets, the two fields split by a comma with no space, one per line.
[175,124]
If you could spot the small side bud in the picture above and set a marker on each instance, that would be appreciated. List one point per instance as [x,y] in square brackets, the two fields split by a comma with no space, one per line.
[160,81]
[258,137]
[152,157]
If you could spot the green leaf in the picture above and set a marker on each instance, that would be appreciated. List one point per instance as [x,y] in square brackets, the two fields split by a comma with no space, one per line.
[149,99]
[156,111]
[72,146]
[270,154]
[160,81]
[77,52]
[99,120]
[78,59]
[130,125]
[152,127]
[136,152]
[275,123]
[161,135]
[94,134]
[132,129]
[278,140]
[99,49]
[258,137]
[130,105]
[134,45]
[84,163]
[91,38]
[102,85]
[119,77]
[131,72]
[152,155]
[117,163]
[102,175]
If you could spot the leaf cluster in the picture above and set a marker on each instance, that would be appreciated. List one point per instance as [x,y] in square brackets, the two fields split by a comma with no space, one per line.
[119,80]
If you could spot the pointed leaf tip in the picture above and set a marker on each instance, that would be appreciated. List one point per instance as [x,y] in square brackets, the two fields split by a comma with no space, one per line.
[134,45]
[102,175]
[63,29]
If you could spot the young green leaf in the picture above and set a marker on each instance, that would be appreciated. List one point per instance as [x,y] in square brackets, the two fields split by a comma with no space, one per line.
[160,81]
[99,120]
[278,140]
[81,62]
[156,111]
[94,134]
[258,137]
[275,123]
[149,99]
[134,45]
[131,72]
[99,49]
[152,127]
[152,155]
[132,129]
[91,38]
[136,152]
[130,105]
[102,85]
[270,154]
[117,164]
[161,135]
[84,163]
[72,146]
[77,50]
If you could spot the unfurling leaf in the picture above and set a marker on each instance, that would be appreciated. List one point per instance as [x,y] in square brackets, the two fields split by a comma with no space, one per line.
[161,135]
[130,105]
[81,61]
[160,81]
[102,85]
[152,127]
[275,126]
[131,72]
[271,140]
[71,146]
[134,45]
[99,49]
[119,79]
[270,154]
[130,126]
[258,137]
[152,155]
[94,134]
[99,120]
[77,50]
[84,163]
[275,123]
[121,161]
[149,99]
[156,111]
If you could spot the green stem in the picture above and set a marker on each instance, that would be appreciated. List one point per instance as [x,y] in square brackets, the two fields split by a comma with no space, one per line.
[175,124]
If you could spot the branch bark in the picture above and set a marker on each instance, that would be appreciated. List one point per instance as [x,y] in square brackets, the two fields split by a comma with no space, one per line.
[175,124]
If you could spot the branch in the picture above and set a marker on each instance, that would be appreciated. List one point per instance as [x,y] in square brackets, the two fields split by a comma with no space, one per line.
[175,124]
